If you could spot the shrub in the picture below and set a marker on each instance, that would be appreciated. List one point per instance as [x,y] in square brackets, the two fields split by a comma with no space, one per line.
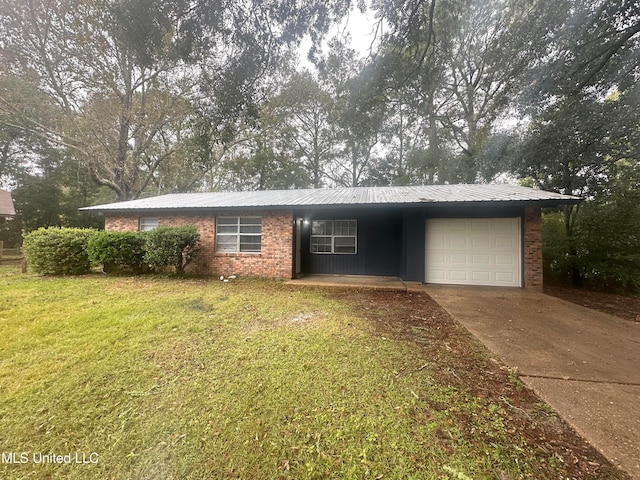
[558,263]
[608,237]
[172,246]
[117,249]
[58,251]
[603,250]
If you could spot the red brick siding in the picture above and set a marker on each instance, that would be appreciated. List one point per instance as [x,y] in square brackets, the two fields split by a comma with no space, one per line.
[274,261]
[276,257]
[533,248]
[121,223]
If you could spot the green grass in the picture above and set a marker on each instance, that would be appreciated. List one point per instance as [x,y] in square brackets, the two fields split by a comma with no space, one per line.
[179,379]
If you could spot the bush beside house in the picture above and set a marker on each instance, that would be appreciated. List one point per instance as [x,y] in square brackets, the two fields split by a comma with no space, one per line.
[73,251]
[58,251]
[599,249]
[172,247]
[115,250]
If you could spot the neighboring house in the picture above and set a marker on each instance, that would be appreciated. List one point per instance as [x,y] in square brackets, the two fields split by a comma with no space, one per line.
[451,234]
[6,205]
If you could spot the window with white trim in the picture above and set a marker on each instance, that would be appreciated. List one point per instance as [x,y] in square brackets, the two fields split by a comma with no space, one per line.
[238,234]
[334,236]
[146,224]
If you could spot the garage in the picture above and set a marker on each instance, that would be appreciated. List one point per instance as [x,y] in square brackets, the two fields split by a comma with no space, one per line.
[473,251]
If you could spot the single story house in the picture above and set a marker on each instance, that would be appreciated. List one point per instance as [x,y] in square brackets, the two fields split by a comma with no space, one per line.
[451,234]
[6,205]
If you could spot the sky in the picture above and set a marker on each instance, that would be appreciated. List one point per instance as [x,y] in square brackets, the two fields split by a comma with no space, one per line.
[360,26]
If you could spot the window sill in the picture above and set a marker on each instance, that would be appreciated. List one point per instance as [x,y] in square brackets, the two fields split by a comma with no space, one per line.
[333,253]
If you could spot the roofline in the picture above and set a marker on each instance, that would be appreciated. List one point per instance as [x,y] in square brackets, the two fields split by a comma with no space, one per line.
[430,205]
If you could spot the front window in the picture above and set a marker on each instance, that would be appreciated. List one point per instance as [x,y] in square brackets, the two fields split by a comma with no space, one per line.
[148,223]
[334,236]
[238,234]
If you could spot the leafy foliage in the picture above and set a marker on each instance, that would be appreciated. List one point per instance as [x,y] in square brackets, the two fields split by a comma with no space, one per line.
[603,247]
[593,46]
[609,238]
[575,146]
[172,247]
[120,249]
[129,76]
[58,251]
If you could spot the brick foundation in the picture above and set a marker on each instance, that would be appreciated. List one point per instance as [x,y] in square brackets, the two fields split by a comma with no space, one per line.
[274,261]
[533,248]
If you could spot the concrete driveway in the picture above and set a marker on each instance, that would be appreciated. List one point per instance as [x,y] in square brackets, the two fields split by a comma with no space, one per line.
[584,363]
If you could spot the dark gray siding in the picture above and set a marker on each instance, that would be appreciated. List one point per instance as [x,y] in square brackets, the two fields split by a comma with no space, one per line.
[379,244]
[413,225]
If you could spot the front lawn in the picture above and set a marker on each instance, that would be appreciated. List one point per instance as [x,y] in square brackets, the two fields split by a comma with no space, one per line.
[144,378]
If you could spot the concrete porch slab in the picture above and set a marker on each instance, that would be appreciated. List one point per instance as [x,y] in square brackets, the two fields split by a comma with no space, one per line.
[351,281]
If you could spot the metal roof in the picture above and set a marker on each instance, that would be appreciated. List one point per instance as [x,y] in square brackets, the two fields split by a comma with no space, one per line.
[334,197]
[6,204]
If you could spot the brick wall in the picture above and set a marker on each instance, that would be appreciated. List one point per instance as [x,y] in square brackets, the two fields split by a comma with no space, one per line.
[533,248]
[121,223]
[274,261]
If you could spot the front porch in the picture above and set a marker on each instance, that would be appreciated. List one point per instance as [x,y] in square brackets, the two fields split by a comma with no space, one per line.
[354,281]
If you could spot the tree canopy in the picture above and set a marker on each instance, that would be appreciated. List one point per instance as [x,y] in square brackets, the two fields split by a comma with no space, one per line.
[140,97]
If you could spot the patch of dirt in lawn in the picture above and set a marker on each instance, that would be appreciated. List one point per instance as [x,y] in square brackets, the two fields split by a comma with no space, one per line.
[301,320]
[459,360]
[621,306]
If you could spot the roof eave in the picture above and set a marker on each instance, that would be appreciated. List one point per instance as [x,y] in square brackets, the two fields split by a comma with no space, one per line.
[524,202]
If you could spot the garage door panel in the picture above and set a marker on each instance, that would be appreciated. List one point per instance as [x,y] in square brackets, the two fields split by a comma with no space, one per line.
[505,278]
[482,242]
[438,241]
[480,224]
[506,242]
[435,259]
[481,259]
[459,242]
[481,277]
[459,275]
[473,251]
[506,260]
[458,259]
[457,225]
[502,227]
[438,276]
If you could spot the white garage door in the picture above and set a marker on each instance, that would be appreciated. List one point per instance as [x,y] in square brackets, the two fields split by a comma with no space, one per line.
[473,251]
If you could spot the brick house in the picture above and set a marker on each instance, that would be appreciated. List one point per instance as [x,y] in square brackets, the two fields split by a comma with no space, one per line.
[451,234]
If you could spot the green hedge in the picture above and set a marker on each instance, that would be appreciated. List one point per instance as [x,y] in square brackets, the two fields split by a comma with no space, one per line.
[118,249]
[58,251]
[603,250]
[72,251]
[172,247]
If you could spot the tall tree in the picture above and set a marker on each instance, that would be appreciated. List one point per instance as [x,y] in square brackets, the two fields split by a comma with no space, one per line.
[109,92]
[123,73]
[596,45]
[357,114]
[575,149]
[463,62]
[20,150]
[307,108]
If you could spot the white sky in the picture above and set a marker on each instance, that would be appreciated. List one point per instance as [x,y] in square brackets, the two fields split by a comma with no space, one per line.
[359,25]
